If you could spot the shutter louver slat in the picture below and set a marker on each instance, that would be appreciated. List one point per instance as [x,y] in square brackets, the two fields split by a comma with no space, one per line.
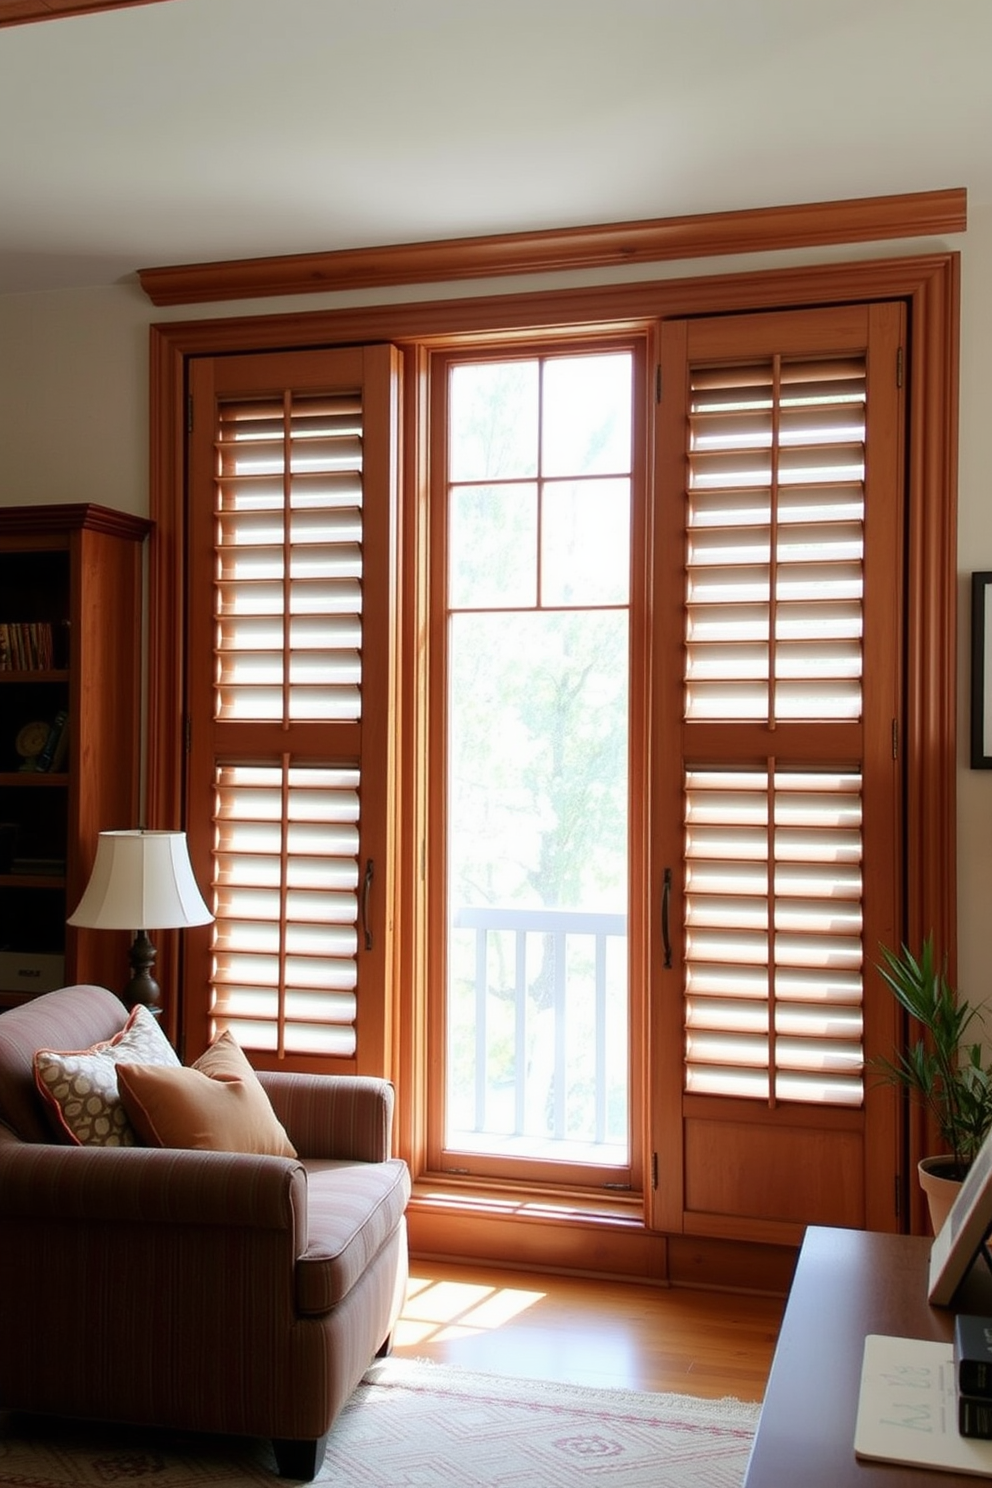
[774,623]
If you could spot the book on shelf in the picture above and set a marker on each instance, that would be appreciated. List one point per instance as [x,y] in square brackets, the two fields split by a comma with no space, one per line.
[26,646]
[53,751]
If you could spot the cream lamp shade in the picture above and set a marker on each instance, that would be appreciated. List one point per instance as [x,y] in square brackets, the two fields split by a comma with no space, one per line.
[141,881]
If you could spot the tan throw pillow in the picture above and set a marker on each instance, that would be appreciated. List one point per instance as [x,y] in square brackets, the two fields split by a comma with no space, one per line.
[79,1086]
[216,1105]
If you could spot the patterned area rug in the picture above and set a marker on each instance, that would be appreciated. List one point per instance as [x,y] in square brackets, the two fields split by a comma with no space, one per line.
[413,1425]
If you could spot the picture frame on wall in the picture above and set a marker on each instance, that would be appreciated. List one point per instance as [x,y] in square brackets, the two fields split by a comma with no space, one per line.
[981,671]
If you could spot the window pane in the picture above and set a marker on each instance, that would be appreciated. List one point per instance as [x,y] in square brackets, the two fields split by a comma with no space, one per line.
[537,1057]
[492,546]
[539,565]
[493,421]
[585,552]
[586,424]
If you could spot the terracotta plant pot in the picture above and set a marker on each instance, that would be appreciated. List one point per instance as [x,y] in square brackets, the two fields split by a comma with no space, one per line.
[941,1191]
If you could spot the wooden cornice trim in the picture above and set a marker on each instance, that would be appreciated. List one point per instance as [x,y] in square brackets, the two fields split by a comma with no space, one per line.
[20,12]
[69,517]
[806,225]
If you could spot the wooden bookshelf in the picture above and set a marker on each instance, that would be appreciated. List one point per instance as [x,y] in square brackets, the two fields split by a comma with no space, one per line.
[73,572]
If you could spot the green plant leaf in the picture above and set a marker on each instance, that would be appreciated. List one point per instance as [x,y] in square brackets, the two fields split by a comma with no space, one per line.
[945,1075]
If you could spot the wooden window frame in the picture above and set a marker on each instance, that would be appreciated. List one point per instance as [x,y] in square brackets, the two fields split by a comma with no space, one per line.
[638,345]
[928,283]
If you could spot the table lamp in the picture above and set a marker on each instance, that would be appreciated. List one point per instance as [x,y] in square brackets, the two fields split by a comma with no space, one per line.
[141,881]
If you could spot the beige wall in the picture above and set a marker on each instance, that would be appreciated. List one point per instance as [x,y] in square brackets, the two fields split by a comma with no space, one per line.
[74,427]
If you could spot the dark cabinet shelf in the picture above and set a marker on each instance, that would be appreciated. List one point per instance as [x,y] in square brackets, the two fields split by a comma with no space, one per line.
[33,779]
[31,881]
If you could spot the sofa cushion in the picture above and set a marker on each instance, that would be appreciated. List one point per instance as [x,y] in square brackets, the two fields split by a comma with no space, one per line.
[71,1018]
[352,1209]
[80,1085]
[217,1105]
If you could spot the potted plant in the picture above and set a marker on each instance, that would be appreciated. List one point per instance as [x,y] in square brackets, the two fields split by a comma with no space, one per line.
[939,1069]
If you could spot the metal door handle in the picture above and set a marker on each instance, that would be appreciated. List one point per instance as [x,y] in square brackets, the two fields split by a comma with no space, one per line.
[366,896]
[666,939]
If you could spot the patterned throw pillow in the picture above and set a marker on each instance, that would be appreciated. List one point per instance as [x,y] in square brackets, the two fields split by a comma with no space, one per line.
[80,1086]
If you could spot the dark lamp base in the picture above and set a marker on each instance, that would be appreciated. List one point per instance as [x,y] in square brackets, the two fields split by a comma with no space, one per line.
[142,988]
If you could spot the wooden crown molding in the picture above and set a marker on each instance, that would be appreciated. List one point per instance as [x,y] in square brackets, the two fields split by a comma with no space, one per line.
[813,224]
[19,12]
[69,517]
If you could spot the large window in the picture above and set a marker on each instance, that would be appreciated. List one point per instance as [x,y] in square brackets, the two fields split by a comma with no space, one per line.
[698,625]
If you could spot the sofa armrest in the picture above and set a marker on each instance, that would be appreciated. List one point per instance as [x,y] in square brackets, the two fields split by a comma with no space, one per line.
[153,1186]
[333,1116]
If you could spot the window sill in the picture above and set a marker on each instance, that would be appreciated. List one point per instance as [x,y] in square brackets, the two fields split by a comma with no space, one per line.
[506,1201]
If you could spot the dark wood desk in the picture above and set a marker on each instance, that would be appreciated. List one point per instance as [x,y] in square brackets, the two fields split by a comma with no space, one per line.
[848,1283]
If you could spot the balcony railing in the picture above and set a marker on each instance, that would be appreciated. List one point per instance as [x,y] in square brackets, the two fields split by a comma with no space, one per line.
[541,1067]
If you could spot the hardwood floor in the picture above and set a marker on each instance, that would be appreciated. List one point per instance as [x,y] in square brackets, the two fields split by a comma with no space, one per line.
[613,1333]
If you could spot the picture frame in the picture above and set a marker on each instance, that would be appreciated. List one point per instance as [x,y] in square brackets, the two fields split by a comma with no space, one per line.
[964,1232]
[981,671]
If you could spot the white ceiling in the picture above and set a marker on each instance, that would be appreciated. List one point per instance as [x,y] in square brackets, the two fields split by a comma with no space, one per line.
[195,130]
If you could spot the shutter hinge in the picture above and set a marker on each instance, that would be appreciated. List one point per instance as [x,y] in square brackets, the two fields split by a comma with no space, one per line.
[189,413]
[657,383]
[895,738]
[654,1170]
[620,1187]
[899,367]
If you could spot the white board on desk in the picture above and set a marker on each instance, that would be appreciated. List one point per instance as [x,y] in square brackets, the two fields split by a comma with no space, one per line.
[908,1408]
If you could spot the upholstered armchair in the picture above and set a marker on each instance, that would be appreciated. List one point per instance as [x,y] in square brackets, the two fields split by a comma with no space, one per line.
[203,1290]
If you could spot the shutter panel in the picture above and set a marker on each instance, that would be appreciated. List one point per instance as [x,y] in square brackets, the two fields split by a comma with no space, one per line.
[289,555]
[782,437]
[774,623]
[286,901]
[773,935]
[292,577]
[775,541]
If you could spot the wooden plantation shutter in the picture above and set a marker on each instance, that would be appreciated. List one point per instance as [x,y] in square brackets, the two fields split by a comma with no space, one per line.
[782,434]
[291,621]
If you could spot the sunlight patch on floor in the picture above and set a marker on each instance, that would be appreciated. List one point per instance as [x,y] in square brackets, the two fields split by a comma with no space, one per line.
[455,1309]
